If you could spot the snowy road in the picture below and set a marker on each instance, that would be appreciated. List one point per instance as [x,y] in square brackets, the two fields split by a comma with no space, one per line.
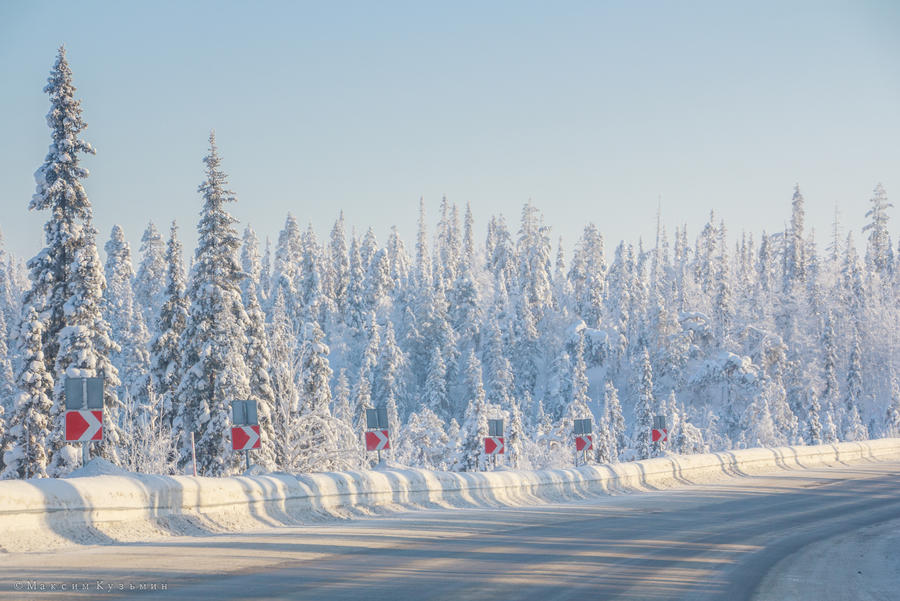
[699,542]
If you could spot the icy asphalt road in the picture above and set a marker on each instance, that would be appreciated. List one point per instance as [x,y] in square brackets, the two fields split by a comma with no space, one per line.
[698,542]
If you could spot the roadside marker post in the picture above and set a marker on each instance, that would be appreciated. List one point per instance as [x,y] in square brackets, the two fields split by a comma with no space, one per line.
[495,443]
[660,433]
[84,413]
[377,435]
[584,440]
[245,434]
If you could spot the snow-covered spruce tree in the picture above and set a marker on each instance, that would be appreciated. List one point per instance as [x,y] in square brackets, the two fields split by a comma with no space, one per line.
[616,420]
[214,339]
[587,276]
[644,408]
[423,441]
[85,349]
[795,260]
[258,359]
[286,269]
[533,249]
[25,453]
[126,321]
[436,397]
[283,369]
[150,281]
[830,405]
[758,425]
[341,408]
[516,440]
[853,428]
[499,370]
[892,416]
[165,353]
[60,192]
[251,266]
[474,428]
[339,264]
[814,430]
[7,377]
[578,407]
[390,376]
[315,372]
[9,302]
[604,444]
[311,291]
[324,442]
[879,253]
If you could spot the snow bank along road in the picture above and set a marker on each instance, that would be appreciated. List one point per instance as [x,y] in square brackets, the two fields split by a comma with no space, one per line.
[696,542]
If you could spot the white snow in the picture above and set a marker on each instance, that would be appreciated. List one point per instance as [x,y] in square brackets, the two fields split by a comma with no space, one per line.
[859,566]
[39,514]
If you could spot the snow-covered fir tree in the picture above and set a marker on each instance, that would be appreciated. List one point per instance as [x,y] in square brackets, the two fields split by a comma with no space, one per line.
[214,339]
[59,191]
[165,349]
[28,426]
[85,350]
[644,408]
[126,321]
[150,280]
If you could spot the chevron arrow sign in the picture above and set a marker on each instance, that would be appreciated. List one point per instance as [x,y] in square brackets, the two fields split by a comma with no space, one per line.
[85,425]
[244,438]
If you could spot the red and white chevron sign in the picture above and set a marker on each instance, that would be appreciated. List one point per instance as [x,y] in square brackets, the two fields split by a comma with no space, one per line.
[82,426]
[244,438]
[584,442]
[660,435]
[377,440]
[494,445]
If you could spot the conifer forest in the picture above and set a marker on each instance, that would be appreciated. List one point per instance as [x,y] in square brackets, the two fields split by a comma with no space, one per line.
[738,339]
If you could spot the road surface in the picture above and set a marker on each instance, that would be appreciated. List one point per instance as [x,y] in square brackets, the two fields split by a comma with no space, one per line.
[698,542]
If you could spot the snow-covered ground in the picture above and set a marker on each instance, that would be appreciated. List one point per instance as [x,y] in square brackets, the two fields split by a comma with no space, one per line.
[859,566]
[105,506]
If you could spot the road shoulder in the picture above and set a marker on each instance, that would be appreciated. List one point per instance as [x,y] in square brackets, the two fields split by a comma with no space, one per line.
[859,566]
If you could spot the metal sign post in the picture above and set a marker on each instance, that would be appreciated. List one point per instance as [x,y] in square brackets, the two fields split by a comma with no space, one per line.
[583,439]
[84,412]
[495,443]
[245,433]
[660,433]
[378,432]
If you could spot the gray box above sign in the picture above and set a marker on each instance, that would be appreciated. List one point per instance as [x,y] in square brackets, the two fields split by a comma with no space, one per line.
[84,393]
[243,413]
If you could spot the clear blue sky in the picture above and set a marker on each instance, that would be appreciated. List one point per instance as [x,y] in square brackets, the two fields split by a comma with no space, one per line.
[591,109]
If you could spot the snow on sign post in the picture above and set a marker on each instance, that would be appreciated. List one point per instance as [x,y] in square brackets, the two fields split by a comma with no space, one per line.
[377,436]
[584,440]
[495,443]
[245,428]
[660,434]
[84,412]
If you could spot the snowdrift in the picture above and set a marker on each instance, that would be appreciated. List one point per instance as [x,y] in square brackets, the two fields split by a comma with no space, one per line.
[41,514]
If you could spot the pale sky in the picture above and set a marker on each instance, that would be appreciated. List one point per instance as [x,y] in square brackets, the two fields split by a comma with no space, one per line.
[594,110]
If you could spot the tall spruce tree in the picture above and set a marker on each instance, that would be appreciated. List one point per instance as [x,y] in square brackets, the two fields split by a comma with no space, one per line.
[165,351]
[60,192]
[150,281]
[214,339]
[644,408]
[85,349]
[126,321]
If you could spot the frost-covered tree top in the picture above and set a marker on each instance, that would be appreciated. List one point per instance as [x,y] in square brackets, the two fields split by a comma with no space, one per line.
[150,281]
[58,179]
[59,190]
[214,340]
[879,254]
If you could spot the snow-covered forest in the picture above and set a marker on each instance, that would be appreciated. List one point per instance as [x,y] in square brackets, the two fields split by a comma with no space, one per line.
[739,339]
